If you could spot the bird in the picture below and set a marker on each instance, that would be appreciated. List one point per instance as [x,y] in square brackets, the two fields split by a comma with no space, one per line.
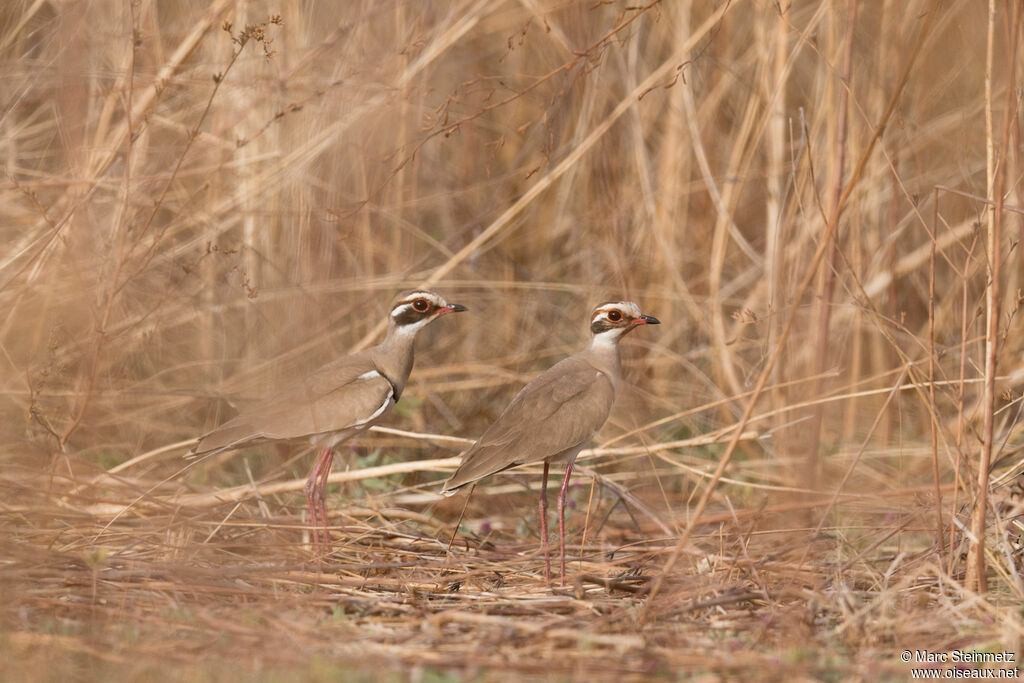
[336,402]
[555,415]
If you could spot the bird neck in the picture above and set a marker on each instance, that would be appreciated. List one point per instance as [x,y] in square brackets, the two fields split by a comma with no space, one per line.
[603,353]
[394,356]
[606,342]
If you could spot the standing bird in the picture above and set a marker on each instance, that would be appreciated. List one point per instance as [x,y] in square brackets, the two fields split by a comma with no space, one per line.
[335,402]
[556,415]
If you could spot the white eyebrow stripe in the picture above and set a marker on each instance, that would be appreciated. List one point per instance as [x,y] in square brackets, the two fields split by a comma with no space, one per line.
[626,311]
[402,307]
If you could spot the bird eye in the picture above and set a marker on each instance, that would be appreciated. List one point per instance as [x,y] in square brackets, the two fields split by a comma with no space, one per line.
[614,316]
[420,305]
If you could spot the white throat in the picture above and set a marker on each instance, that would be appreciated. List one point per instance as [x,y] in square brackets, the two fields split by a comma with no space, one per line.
[411,329]
[607,340]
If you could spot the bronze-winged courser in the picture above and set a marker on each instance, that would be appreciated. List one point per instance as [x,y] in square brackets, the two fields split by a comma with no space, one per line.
[337,401]
[556,415]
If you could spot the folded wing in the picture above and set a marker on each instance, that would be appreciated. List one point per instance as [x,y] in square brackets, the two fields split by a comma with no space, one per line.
[347,394]
[555,414]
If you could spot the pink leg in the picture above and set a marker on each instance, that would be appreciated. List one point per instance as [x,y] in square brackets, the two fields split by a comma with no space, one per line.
[544,524]
[561,516]
[325,471]
[316,489]
[311,507]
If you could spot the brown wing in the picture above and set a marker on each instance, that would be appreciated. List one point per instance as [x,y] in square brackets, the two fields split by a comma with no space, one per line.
[558,411]
[342,395]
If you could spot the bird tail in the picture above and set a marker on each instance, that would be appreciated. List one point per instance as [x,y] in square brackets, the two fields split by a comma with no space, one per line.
[471,470]
[448,490]
[460,477]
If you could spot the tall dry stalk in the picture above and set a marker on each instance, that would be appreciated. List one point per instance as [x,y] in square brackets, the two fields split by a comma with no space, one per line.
[824,343]
[934,427]
[995,173]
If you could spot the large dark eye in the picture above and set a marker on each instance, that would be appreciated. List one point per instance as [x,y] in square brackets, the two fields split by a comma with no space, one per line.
[614,316]
[420,305]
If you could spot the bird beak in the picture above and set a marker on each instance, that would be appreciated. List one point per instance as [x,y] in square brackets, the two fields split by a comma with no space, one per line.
[645,320]
[453,308]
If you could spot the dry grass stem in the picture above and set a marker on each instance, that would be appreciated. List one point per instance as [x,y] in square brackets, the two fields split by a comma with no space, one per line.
[813,464]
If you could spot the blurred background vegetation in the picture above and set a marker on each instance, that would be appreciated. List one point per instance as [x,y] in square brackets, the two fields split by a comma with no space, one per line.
[203,199]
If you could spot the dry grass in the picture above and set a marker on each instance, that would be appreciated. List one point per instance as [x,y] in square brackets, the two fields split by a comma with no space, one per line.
[200,202]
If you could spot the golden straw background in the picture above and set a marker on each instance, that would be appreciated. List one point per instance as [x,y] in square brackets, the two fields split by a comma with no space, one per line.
[204,199]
